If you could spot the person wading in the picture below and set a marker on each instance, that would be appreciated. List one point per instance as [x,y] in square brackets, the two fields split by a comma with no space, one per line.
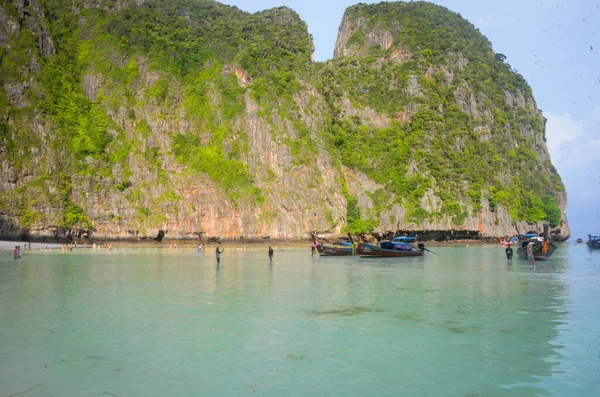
[530,257]
[270,253]
[218,254]
[509,253]
[17,252]
[354,248]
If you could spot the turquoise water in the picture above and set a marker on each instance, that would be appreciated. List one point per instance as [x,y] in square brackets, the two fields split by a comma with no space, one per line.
[158,323]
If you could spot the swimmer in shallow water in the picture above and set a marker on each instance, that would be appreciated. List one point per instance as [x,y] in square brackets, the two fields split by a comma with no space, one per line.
[218,254]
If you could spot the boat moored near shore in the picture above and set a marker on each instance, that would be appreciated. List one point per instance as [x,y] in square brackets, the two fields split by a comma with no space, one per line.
[593,242]
[326,250]
[373,251]
[542,248]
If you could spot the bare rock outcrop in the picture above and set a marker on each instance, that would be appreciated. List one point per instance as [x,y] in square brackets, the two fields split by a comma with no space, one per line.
[465,98]
[366,114]
[16,93]
[346,29]
[243,78]
[92,84]
[372,37]
[32,16]
[7,27]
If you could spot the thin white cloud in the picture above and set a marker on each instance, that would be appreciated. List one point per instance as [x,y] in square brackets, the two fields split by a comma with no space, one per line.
[493,21]
[485,21]
[560,130]
[574,145]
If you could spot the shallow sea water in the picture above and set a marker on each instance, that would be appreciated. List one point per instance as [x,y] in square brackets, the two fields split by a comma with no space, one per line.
[156,323]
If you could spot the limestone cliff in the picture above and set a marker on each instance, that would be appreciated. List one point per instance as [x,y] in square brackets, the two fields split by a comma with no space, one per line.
[134,119]
[477,157]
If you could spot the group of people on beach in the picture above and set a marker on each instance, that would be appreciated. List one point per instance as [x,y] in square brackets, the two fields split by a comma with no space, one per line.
[73,245]
[17,254]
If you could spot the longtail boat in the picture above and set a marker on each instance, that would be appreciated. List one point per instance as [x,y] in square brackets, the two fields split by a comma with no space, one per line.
[325,250]
[543,248]
[373,251]
[593,242]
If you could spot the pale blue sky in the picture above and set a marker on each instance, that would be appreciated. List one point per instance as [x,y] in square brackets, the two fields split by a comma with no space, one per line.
[554,44]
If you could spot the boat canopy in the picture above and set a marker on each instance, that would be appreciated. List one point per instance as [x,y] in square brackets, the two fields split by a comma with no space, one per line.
[403,239]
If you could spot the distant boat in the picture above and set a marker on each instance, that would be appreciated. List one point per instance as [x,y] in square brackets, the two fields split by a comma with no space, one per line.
[325,250]
[373,251]
[543,248]
[593,242]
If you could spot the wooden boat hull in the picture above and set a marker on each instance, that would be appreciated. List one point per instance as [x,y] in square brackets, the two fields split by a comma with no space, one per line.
[373,251]
[538,251]
[595,245]
[325,250]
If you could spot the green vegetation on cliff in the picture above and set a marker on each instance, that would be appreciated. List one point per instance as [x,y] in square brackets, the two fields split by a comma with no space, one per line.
[451,121]
[186,47]
[131,105]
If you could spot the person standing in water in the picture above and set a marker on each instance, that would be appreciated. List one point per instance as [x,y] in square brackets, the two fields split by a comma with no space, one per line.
[530,257]
[314,246]
[509,252]
[271,253]
[17,252]
[218,254]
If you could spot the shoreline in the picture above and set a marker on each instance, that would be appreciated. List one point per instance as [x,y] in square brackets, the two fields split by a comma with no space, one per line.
[182,245]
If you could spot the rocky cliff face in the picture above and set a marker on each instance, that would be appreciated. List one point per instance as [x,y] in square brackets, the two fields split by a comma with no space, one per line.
[400,51]
[214,122]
